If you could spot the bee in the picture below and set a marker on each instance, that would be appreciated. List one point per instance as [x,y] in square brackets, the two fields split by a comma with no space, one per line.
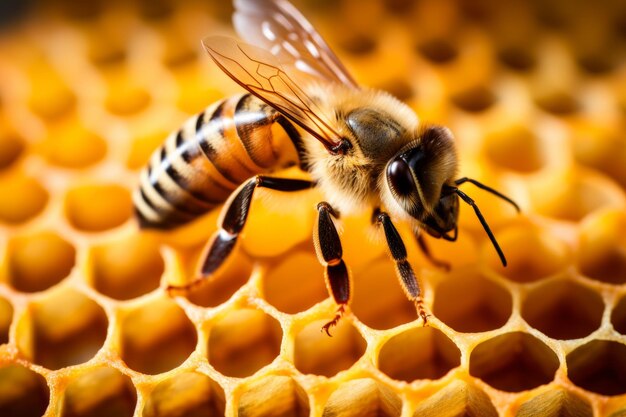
[363,148]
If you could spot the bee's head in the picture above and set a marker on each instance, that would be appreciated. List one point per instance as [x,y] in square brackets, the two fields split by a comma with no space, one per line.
[421,180]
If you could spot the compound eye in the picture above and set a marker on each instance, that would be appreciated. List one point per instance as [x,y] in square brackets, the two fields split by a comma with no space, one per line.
[400,177]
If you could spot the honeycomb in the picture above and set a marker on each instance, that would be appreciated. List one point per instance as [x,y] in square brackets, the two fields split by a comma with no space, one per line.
[535,92]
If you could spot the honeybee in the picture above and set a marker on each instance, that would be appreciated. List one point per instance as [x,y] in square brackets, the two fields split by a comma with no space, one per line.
[362,147]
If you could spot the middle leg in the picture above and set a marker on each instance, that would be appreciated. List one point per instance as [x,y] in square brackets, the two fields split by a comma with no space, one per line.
[409,281]
[329,252]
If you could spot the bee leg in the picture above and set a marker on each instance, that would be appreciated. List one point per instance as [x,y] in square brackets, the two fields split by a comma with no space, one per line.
[329,252]
[409,281]
[426,250]
[233,219]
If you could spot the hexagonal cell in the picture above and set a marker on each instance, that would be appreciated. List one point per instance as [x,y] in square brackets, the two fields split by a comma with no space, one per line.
[124,97]
[6,317]
[98,207]
[570,196]
[459,398]
[71,145]
[244,341]
[185,394]
[11,146]
[556,402]
[601,147]
[127,268]
[420,353]
[274,396]
[295,283]
[216,290]
[156,337]
[514,362]
[602,250]
[27,198]
[316,353]
[23,392]
[378,299]
[549,255]
[618,316]
[516,148]
[68,329]
[99,392]
[438,50]
[38,261]
[475,99]
[563,309]
[599,366]
[363,397]
[518,57]
[557,102]
[50,96]
[468,302]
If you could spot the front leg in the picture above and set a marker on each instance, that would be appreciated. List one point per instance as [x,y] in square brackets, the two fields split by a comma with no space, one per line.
[329,252]
[232,221]
[410,283]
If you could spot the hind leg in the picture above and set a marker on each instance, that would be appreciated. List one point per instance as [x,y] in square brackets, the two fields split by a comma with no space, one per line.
[232,220]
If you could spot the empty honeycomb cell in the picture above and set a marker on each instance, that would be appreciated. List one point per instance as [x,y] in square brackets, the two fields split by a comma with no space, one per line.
[438,50]
[50,97]
[6,316]
[398,88]
[475,99]
[185,394]
[126,268]
[419,353]
[549,255]
[124,99]
[363,397]
[273,396]
[574,195]
[98,207]
[358,44]
[618,316]
[602,249]
[563,309]
[316,353]
[459,398]
[39,260]
[514,362]
[560,103]
[600,147]
[11,146]
[68,329]
[23,392]
[515,148]
[378,299]
[295,282]
[468,302]
[156,337]
[555,403]
[599,366]
[73,146]
[279,221]
[99,392]
[23,198]
[244,341]
[518,57]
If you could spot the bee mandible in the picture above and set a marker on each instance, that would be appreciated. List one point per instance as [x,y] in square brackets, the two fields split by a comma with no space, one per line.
[363,148]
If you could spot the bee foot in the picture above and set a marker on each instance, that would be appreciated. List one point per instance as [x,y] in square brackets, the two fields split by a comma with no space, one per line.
[334,321]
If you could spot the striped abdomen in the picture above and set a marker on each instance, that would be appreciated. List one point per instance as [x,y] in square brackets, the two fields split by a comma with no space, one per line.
[200,165]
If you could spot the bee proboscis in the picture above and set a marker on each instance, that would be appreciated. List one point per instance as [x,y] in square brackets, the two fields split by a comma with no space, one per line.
[362,147]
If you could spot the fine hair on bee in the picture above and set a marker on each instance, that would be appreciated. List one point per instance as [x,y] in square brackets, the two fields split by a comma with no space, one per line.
[363,148]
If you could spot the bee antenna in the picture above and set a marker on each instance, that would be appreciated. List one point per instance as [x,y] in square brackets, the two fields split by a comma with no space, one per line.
[488,189]
[494,242]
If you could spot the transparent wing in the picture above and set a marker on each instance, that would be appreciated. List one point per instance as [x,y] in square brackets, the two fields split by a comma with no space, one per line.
[280,28]
[260,72]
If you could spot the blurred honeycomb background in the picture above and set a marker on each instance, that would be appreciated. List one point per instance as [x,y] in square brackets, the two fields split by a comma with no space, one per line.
[535,92]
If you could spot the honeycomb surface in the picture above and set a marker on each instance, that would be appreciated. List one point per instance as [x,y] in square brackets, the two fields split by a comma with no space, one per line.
[535,93]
